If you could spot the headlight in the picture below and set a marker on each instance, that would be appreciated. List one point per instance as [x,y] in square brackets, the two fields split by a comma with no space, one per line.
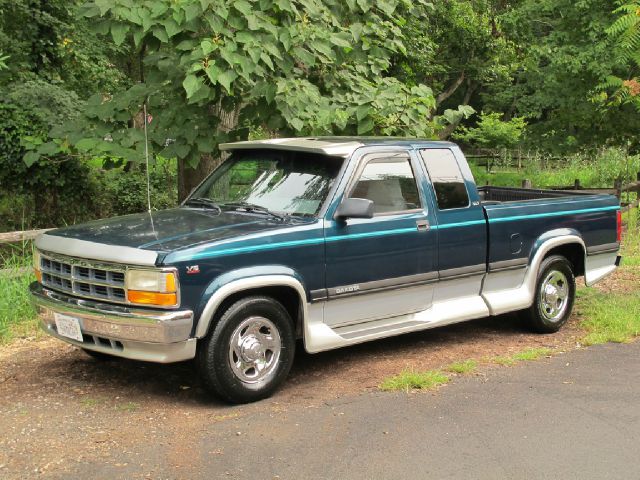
[152,287]
[37,265]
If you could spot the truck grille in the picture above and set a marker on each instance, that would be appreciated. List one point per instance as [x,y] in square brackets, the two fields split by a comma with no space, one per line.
[84,279]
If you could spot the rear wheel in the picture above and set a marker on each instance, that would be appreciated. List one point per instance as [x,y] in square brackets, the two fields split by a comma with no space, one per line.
[249,352]
[554,297]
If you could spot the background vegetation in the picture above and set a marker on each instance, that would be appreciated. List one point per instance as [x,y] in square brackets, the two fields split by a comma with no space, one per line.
[551,82]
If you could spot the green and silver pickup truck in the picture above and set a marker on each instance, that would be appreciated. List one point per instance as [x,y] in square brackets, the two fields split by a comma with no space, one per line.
[332,241]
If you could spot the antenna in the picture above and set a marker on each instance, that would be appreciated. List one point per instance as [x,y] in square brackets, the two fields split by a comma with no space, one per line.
[146,154]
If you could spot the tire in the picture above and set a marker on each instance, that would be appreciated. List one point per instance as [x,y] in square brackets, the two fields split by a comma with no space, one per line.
[249,351]
[554,295]
[98,356]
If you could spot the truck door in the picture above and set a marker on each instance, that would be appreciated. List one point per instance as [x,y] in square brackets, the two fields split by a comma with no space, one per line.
[461,224]
[383,266]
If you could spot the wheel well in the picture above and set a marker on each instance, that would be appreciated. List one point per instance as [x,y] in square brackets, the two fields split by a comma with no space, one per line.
[287,296]
[572,252]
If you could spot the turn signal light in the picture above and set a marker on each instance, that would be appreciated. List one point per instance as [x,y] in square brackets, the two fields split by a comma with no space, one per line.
[152,298]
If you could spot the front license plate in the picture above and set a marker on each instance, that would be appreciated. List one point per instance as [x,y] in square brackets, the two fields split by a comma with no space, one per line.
[68,326]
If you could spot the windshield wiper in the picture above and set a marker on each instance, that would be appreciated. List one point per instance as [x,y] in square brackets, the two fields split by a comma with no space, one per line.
[203,202]
[252,207]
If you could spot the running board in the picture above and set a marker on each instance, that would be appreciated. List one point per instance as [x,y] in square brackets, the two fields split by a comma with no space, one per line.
[318,336]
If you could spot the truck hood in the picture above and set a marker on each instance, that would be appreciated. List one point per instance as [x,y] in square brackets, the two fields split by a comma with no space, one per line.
[169,230]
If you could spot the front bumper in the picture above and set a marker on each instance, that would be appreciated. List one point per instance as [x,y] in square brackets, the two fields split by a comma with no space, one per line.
[150,335]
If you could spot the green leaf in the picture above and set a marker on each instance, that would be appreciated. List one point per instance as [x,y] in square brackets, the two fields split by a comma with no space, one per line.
[48,148]
[362,111]
[213,73]
[297,124]
[366,126]
[171,26]
[340,41]
[208,46]
[30,158]
[191,85]
[356,31]
[243,7]
[226,78]
[161,34]
[119,32]
[191,12]
[87,144]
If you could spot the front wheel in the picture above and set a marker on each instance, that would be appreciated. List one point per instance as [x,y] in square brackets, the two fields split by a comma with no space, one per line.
[249,352]
[554,296]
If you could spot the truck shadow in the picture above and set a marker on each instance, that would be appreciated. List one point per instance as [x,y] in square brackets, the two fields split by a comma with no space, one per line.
[328,374]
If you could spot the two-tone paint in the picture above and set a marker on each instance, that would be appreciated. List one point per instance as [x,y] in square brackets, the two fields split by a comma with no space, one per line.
[363,279]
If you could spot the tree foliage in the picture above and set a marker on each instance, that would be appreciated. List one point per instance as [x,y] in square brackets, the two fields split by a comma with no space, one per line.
[493,132]
[215,70]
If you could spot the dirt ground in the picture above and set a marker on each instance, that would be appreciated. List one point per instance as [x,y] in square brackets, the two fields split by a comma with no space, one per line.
[60,408]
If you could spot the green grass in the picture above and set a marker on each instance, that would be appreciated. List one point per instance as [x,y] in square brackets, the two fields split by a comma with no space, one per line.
[411,380]
[17,315]
[594,170]
[531,354]
[528,355]
[631,240]
[462,368]
[609,317]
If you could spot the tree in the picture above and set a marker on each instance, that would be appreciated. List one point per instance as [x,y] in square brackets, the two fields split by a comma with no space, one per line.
[564,54]
[458,49]
[624,84]
[214,71]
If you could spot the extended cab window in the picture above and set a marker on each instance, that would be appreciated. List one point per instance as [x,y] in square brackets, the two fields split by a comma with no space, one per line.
[288,182]
[388,182]
[446,178]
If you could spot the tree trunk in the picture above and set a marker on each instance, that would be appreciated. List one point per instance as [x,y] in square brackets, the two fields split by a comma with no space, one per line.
[189,178]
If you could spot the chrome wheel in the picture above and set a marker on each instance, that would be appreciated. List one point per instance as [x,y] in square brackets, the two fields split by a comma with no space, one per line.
[554,296]
[254,350]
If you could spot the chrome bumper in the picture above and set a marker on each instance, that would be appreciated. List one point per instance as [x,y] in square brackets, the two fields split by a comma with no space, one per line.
[151,335]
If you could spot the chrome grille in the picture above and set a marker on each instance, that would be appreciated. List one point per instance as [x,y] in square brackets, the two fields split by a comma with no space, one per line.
[82,278]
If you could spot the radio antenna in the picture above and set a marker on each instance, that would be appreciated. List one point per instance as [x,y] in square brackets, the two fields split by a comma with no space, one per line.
[146,153]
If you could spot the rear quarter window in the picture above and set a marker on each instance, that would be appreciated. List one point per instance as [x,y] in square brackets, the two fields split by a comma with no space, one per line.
[446,178]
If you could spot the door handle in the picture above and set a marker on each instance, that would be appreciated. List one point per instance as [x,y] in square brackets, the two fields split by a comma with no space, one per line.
[423,225]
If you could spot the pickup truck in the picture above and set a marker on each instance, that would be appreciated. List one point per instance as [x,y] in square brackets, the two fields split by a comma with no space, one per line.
[331,240]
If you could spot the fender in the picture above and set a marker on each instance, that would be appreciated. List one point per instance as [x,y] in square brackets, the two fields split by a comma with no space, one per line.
[509,300]
[246,279]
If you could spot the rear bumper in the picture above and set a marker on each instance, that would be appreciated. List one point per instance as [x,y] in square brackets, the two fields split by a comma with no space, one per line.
[150,335]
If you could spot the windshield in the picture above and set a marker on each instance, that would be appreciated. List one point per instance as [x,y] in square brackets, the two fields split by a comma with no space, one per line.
[293,183]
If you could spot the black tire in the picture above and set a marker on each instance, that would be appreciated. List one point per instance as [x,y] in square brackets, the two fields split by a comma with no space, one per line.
[551,309]
[99,356]
[255,323]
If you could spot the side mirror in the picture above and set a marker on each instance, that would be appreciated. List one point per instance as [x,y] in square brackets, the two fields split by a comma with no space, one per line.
[355,208]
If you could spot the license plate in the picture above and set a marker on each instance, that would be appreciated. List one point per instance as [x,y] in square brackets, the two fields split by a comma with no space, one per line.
[68,326]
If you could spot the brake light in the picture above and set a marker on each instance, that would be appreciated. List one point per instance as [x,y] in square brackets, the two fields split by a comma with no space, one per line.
[619,226]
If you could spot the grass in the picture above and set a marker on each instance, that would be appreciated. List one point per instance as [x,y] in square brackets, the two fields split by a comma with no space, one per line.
[462,368]
[631,239]
[594,170]
[610,318]
[528,355]
[411,380]
[17,315]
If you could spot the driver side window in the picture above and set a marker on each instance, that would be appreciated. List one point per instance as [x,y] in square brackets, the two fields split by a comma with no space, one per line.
[390,183]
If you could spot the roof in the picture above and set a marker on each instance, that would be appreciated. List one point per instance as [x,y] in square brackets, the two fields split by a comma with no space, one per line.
[337,146]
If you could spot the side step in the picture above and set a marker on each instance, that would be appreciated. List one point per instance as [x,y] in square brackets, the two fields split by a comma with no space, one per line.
[390,326]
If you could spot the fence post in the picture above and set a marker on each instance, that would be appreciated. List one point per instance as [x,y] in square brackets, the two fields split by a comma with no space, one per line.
[526,183]
[617,186]
[576,184]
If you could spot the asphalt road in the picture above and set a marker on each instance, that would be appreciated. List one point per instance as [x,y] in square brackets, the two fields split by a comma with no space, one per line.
[572,416]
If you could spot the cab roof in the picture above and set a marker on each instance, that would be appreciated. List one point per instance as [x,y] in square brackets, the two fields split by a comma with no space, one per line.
[336,146]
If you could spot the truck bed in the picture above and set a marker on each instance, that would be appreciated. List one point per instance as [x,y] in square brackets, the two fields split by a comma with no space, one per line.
[490,195]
